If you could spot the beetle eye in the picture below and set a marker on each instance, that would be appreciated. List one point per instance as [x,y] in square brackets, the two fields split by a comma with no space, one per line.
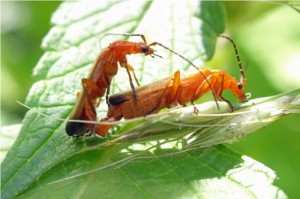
[240,85]
[144,49]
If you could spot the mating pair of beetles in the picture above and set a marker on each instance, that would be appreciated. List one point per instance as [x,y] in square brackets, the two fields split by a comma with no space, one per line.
[146,99]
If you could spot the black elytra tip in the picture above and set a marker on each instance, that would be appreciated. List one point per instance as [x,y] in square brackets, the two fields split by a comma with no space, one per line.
[115,100]
[76,129]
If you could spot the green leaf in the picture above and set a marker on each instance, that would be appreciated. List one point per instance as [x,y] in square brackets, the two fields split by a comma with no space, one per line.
[45,162]
[8,135]
[215,172]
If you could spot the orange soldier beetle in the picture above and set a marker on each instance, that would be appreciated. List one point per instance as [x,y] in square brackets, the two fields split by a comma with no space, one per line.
[99,80]
[168,93]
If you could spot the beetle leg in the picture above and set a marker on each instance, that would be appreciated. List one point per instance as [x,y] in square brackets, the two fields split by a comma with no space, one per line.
[173,90]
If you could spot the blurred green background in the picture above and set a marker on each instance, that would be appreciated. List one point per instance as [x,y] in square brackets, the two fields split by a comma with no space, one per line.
[23,25]
[267,36]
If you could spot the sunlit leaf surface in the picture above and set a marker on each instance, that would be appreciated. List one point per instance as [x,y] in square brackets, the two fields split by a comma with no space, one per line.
[8,135]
